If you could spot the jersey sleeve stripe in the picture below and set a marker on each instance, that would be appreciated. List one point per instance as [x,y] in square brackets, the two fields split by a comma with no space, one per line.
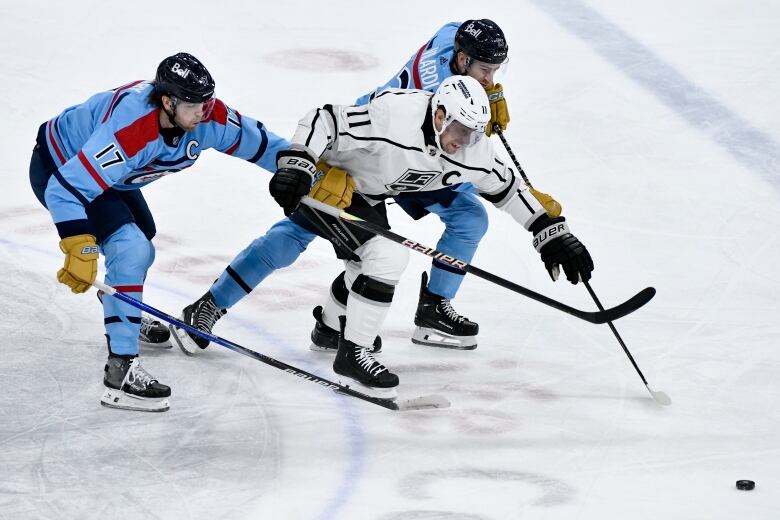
[416,67]
[129,288]
[92,171]
[70,189]
[313,125]
[263,144]
[115,99]
[234,147]
[528,206]
[53,142]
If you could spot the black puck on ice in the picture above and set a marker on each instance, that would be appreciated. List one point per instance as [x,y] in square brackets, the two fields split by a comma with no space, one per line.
[745,485]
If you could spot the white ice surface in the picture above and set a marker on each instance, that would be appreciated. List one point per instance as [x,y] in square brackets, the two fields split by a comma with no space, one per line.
[549,420]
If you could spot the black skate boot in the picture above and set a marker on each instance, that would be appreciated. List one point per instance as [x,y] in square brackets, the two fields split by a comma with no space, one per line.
[355,363]
[202,314]
[130,387]
[153,333]
[439,325]
[326,339]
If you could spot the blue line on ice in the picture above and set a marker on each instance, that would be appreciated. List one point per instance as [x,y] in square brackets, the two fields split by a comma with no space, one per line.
[748,145]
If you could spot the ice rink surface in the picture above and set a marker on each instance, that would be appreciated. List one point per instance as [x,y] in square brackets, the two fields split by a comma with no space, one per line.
[656,124]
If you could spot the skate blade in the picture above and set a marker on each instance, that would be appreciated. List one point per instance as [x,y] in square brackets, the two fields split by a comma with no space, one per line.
[183,341]
[120,400]
[435,338]
[386,394]
[316,348]
[167,344]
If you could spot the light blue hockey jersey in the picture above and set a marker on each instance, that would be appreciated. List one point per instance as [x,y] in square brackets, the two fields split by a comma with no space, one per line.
[426,68]
[113,140]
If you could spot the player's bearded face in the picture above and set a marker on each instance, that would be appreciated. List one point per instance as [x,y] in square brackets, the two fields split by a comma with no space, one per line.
[188,115]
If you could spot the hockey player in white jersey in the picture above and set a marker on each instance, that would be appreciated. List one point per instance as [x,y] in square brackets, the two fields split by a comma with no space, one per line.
[476,48]
[404,141]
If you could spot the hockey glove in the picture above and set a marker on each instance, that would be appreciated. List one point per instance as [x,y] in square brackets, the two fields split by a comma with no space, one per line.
[81,256]
[559,248]
[293,178]
[550,205]
[499,114]
[334,186]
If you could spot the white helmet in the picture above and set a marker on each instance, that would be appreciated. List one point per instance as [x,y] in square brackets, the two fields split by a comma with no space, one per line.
[465,101]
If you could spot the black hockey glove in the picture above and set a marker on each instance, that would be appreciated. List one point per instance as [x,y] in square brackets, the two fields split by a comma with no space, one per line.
[293,178]
[559,248]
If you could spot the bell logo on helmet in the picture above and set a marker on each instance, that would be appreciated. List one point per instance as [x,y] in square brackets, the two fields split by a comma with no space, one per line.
[473,30]
[176,69]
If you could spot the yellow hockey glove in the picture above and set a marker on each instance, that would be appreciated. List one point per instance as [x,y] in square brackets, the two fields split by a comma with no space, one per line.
[551,206]
[81,256]
[334,187]
[498,110]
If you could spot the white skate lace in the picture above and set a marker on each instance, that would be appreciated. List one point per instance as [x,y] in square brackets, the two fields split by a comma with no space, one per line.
[367,361]
[207,315]
[136,374]
[451,313]
[147,324]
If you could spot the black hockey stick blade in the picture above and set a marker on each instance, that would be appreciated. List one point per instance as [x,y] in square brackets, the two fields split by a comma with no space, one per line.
[597,317]
[418,403]
[625,308]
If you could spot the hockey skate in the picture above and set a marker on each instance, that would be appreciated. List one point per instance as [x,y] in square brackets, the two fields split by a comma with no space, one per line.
[439,325]
[130,387]
[202,314]
[153,333]
[356,365]
[326,339]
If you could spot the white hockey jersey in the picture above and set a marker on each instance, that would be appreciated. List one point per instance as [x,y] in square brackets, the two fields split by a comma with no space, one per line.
[383,146]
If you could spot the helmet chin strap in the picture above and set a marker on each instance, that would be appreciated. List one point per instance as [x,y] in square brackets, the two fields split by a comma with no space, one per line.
[172,114]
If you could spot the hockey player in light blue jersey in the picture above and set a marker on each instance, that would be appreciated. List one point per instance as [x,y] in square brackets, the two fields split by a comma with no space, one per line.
[476,48]
[86,169]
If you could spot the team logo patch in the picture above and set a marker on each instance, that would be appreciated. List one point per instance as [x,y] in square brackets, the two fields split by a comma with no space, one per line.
[412,180]
[148,177]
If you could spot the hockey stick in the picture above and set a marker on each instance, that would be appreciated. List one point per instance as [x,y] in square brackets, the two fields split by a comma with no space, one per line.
[603,316]
[418,403]
[659,397]
[497,130]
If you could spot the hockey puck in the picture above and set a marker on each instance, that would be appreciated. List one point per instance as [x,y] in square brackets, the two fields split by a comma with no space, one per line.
[745,485]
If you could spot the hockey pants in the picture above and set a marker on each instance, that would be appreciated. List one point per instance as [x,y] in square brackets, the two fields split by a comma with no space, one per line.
[465,219]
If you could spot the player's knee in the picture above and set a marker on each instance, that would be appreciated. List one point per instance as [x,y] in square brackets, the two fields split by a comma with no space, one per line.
[128,252]
[373,290]
[280,247]
[469,220]
[338,289]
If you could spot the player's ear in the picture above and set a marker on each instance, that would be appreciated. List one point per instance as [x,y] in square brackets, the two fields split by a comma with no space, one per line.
[438,120]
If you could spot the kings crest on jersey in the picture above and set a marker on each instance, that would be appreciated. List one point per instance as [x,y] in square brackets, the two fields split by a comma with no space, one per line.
[426,68]
[113,140]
